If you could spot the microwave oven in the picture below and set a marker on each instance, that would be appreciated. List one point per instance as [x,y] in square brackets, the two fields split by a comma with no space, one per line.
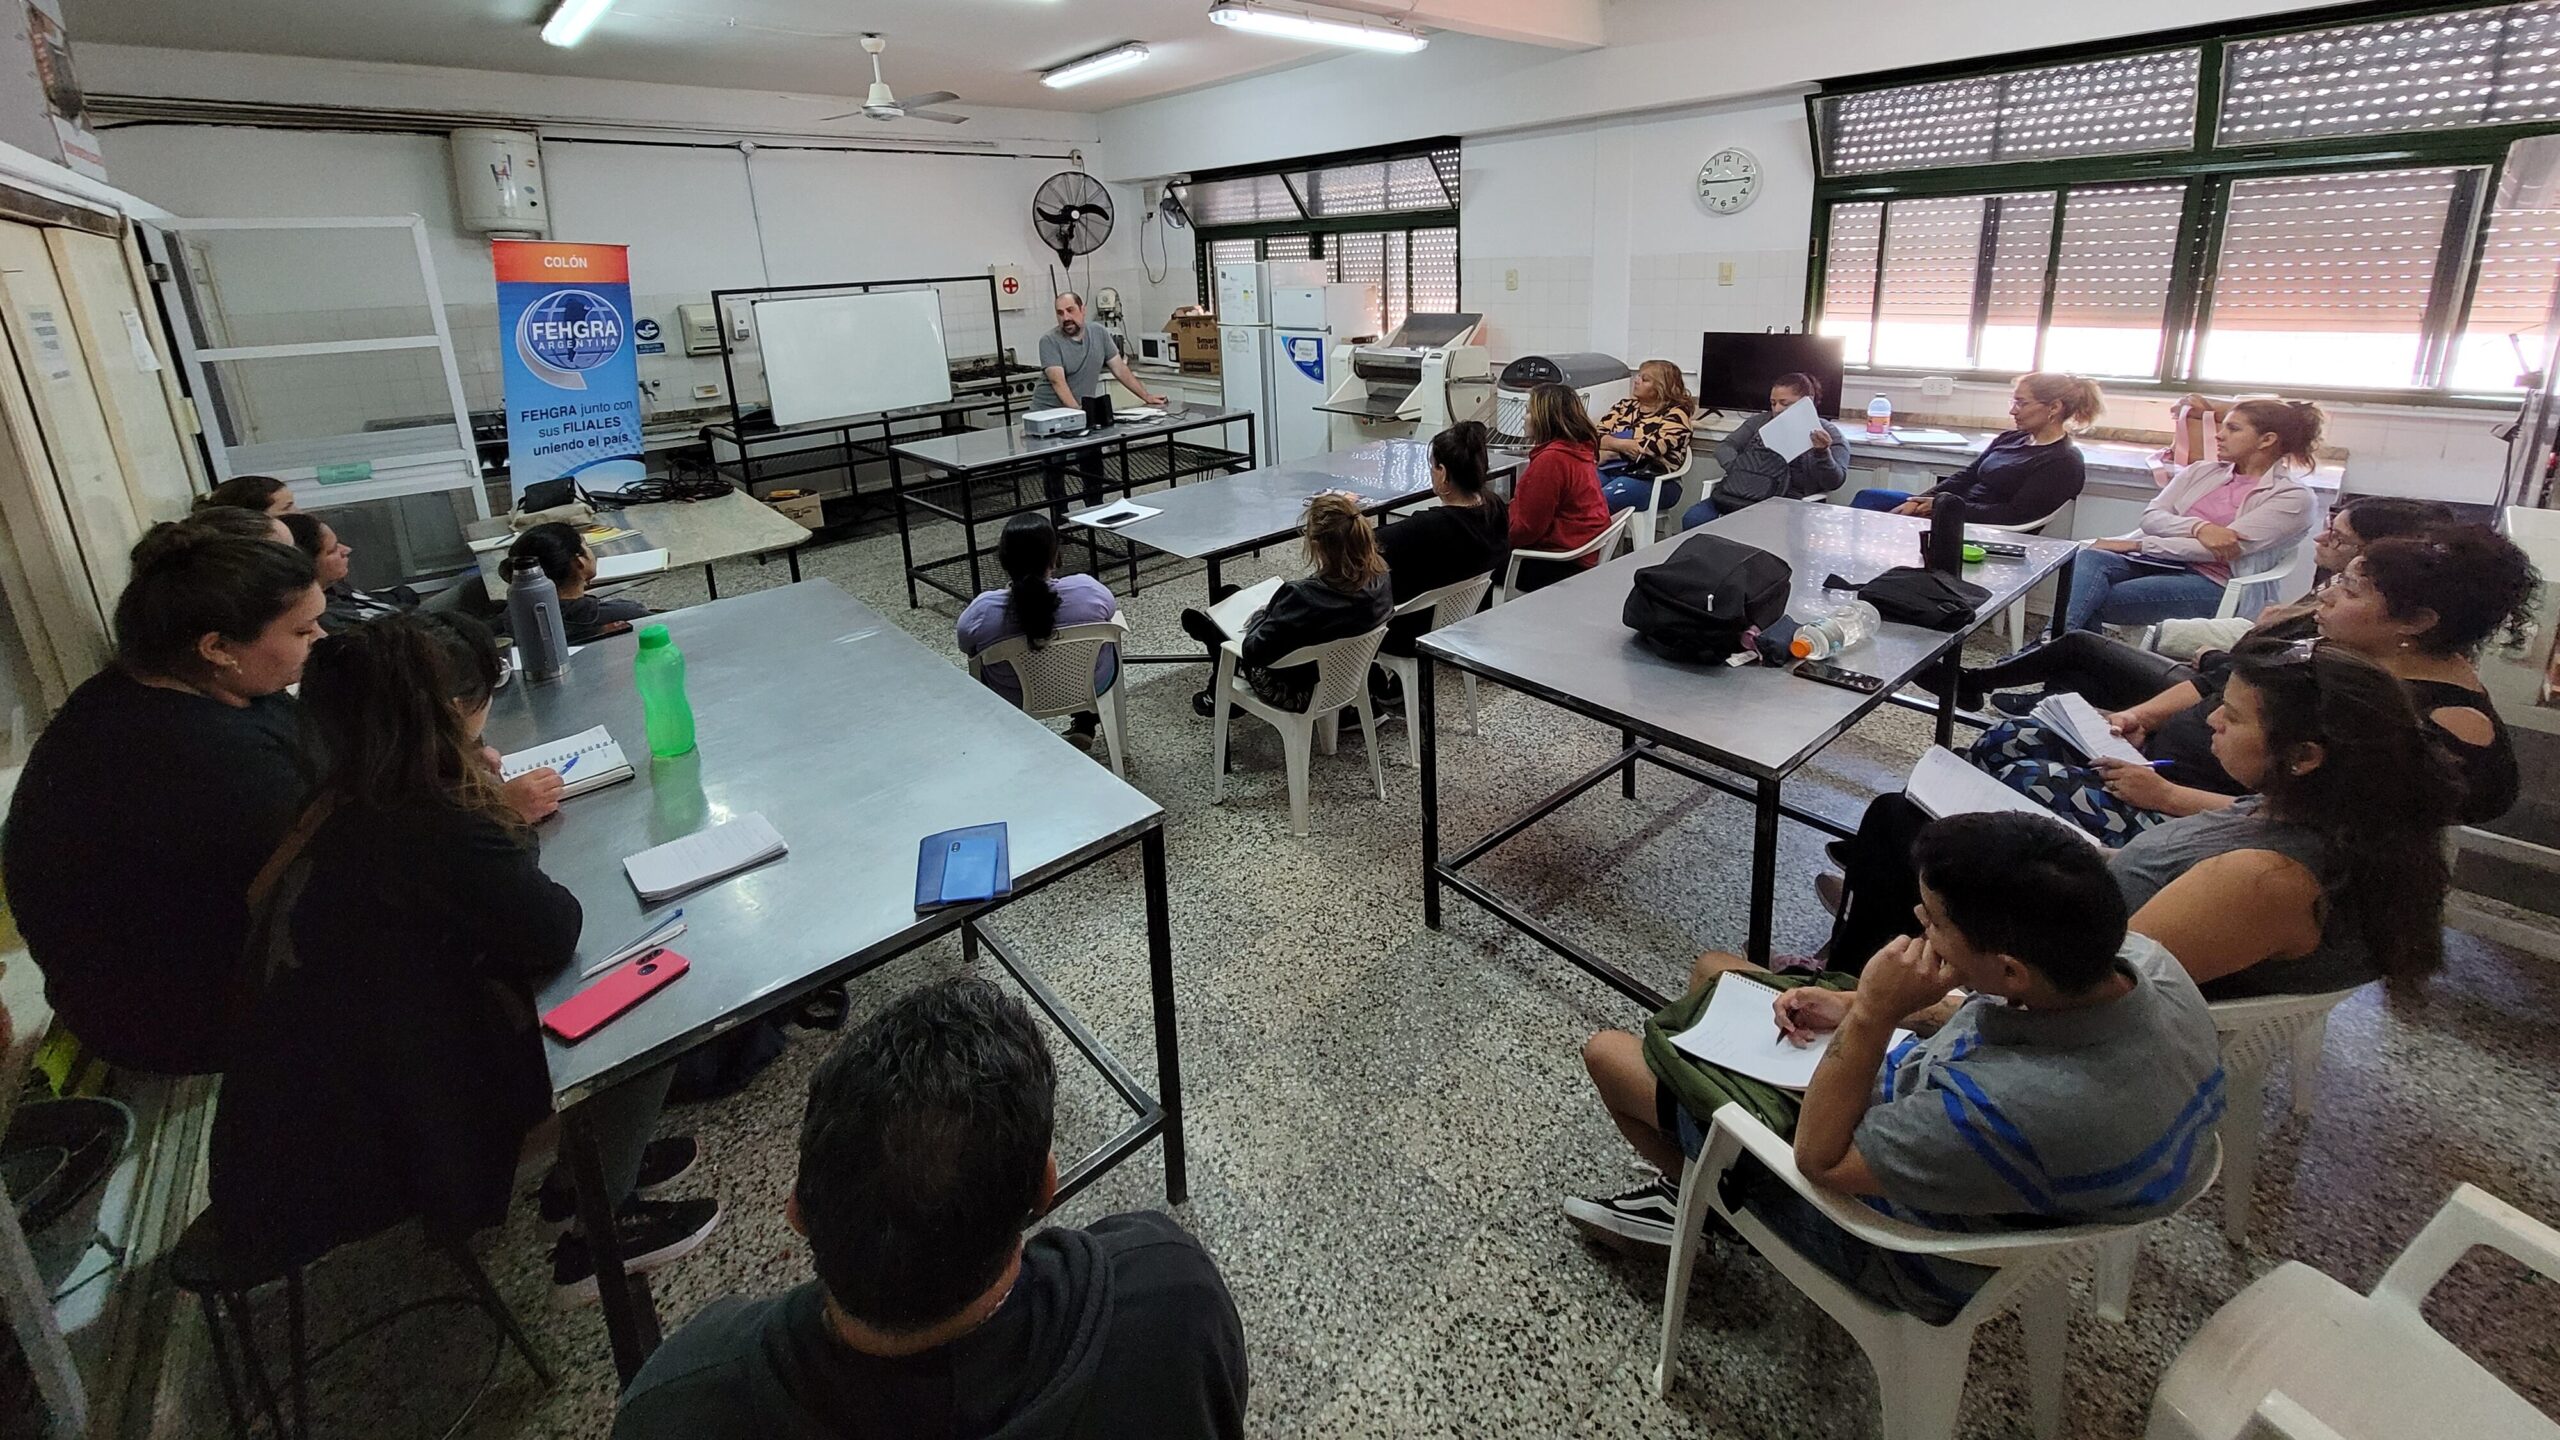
[1156,347]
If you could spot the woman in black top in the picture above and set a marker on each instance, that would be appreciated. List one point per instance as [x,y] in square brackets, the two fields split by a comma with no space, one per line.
[157,791]
[2025,473]
[1346,596]
[392,1064]
[559,551]
[1464,536]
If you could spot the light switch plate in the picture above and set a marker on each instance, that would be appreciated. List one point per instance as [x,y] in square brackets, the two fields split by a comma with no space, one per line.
[1510,279]
[1724,272]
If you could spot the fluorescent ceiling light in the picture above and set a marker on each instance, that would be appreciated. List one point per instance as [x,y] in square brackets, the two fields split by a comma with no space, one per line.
[1298,25]
[572,19]
[1094,67]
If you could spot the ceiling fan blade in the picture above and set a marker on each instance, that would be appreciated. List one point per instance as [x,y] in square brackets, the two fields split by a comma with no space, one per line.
[931,97]
[829,119]
[943,116]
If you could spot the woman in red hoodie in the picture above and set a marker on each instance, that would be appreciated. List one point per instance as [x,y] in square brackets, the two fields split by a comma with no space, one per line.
[1557,503]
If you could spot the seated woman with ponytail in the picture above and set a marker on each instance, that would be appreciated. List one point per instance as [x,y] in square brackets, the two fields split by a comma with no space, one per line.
[1465,535]
[1347,595]
[1035,605]
[2028,471]
[2206,521]
[560,552]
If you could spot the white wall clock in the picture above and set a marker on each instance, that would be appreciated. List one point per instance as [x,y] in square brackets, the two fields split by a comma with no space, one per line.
[1730,180]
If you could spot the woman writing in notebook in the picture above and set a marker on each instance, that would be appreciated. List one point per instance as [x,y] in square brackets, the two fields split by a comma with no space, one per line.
[2327,872]
[1347,595]
[391,1064]
[560,552]
[2208,519]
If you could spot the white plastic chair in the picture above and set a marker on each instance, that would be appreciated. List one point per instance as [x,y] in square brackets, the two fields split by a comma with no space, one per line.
[2254,1032]
[1645,514]
[2299,1355]
[2284,568]
[2018,609]
[1604,543]
[1448,605]
[1920,1368]
[1057,677]
[1342,678]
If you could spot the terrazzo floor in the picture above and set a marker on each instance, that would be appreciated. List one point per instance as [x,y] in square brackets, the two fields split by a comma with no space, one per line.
[1381,1119]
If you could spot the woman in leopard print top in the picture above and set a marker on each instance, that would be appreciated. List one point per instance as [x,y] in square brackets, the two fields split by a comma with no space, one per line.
[1645,435]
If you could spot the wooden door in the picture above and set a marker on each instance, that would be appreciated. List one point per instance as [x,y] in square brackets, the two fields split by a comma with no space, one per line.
[129,368]
[68,422]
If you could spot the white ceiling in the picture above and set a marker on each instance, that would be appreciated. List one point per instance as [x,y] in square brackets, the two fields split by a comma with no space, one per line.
[990,51]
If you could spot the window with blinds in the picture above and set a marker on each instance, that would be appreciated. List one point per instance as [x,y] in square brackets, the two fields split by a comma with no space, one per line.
[1849,279]
[2129,105]
[1932,251]
[2519,273]
[2434,72]
[1250,200]
[1409,250]
[2111,279]
[2327,279]
[1413,269]
[2019,235]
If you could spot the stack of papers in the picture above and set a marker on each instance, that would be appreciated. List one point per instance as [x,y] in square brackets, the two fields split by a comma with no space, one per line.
[1234,615]
[703,856]
[1115,515]
[624,567]
[1916,436]
[2084,729]
[1739,1031]
[1137,412]
[588,760]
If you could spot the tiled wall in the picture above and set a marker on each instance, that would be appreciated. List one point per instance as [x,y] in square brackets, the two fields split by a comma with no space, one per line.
[1532,304]
[1674,298]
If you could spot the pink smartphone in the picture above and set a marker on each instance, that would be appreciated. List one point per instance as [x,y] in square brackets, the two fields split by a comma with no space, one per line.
[620,988]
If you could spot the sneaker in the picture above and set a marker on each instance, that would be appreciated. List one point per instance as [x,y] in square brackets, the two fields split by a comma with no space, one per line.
[2017,704]
[653,1232]
[1644,1215]
[662,1162]
[1830,889]
[1081,739]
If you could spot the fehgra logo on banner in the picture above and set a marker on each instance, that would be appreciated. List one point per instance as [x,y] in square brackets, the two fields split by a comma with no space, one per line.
[567,333]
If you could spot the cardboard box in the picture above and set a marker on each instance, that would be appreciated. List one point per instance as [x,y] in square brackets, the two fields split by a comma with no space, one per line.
[1195,340]
[807,510]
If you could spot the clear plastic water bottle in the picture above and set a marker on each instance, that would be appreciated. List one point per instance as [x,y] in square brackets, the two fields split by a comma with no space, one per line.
[533,620]
[1880,415]
[1852,624]
[658,672]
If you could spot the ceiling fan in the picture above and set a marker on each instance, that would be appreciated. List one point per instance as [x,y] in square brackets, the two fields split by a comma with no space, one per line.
[881,105]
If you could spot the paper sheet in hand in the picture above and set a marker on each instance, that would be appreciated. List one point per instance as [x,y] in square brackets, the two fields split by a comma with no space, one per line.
[624,567]
[2084,729]
[588,760]
[1944,784]
[1115,515]
[1234,615]
[1739,1031]
[703,856]
[1790,431]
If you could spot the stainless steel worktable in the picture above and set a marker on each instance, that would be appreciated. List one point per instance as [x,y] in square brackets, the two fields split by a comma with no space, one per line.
[734,526]
[1569,645]
[1115,459]
[905,745]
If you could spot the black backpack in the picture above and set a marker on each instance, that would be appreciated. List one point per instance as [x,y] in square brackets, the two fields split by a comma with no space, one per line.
[1706,601]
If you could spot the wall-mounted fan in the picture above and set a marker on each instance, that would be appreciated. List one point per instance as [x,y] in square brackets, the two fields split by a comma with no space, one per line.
[1071,212]
[881,105]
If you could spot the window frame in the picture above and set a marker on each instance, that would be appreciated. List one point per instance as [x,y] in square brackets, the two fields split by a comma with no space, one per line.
[2208,170]
[1318,230]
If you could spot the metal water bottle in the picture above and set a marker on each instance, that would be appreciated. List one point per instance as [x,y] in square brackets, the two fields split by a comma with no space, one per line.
[1943,548]
[533,618]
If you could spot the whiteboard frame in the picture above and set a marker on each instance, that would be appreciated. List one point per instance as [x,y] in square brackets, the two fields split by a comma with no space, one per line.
[851,354]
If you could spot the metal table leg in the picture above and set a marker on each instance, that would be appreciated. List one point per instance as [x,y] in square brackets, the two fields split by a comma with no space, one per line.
[1177,1178]
[630,1311]
[710,580]
[906,536]
[1764,871]
[793,554]
[1422,708]
[1950,671]
[2061,596]
[1627,777]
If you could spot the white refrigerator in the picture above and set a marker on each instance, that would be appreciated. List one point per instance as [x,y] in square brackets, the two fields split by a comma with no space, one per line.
[1247,356]
[1313,328]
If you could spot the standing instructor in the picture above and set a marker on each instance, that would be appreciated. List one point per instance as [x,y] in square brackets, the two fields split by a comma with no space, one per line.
[1075,357]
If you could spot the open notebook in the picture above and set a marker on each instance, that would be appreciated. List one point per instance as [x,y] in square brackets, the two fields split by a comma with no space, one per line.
[1944,784]
[2084,729]
[1739,1031]
[629,566]
[588,760]
[705,855]
[1234,615]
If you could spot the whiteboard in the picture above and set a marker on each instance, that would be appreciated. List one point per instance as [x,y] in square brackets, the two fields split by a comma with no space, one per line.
[831,356]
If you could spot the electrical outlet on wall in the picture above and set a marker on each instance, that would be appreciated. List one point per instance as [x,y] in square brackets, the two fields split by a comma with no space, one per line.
[1937,387]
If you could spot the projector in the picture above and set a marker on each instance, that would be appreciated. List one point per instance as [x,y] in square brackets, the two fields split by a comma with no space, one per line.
[1039,424]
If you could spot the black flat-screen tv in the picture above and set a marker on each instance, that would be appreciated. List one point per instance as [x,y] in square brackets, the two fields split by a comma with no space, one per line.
[1735,368]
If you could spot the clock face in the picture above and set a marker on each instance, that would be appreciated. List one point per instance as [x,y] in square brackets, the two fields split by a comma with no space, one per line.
[1729,180]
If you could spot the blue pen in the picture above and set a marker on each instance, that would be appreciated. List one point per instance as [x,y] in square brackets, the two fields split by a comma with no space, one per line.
[572,765]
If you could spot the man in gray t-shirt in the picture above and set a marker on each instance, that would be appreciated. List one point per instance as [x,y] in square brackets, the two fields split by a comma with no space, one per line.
[1075,355]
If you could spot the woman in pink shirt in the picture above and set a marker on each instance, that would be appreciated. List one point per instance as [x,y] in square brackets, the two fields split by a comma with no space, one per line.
[2208,518]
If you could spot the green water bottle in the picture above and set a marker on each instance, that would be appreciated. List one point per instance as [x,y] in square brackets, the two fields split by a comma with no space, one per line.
[659,674]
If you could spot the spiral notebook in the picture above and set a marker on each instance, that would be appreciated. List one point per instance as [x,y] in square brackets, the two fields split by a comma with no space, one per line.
[588,760]
[713,853]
